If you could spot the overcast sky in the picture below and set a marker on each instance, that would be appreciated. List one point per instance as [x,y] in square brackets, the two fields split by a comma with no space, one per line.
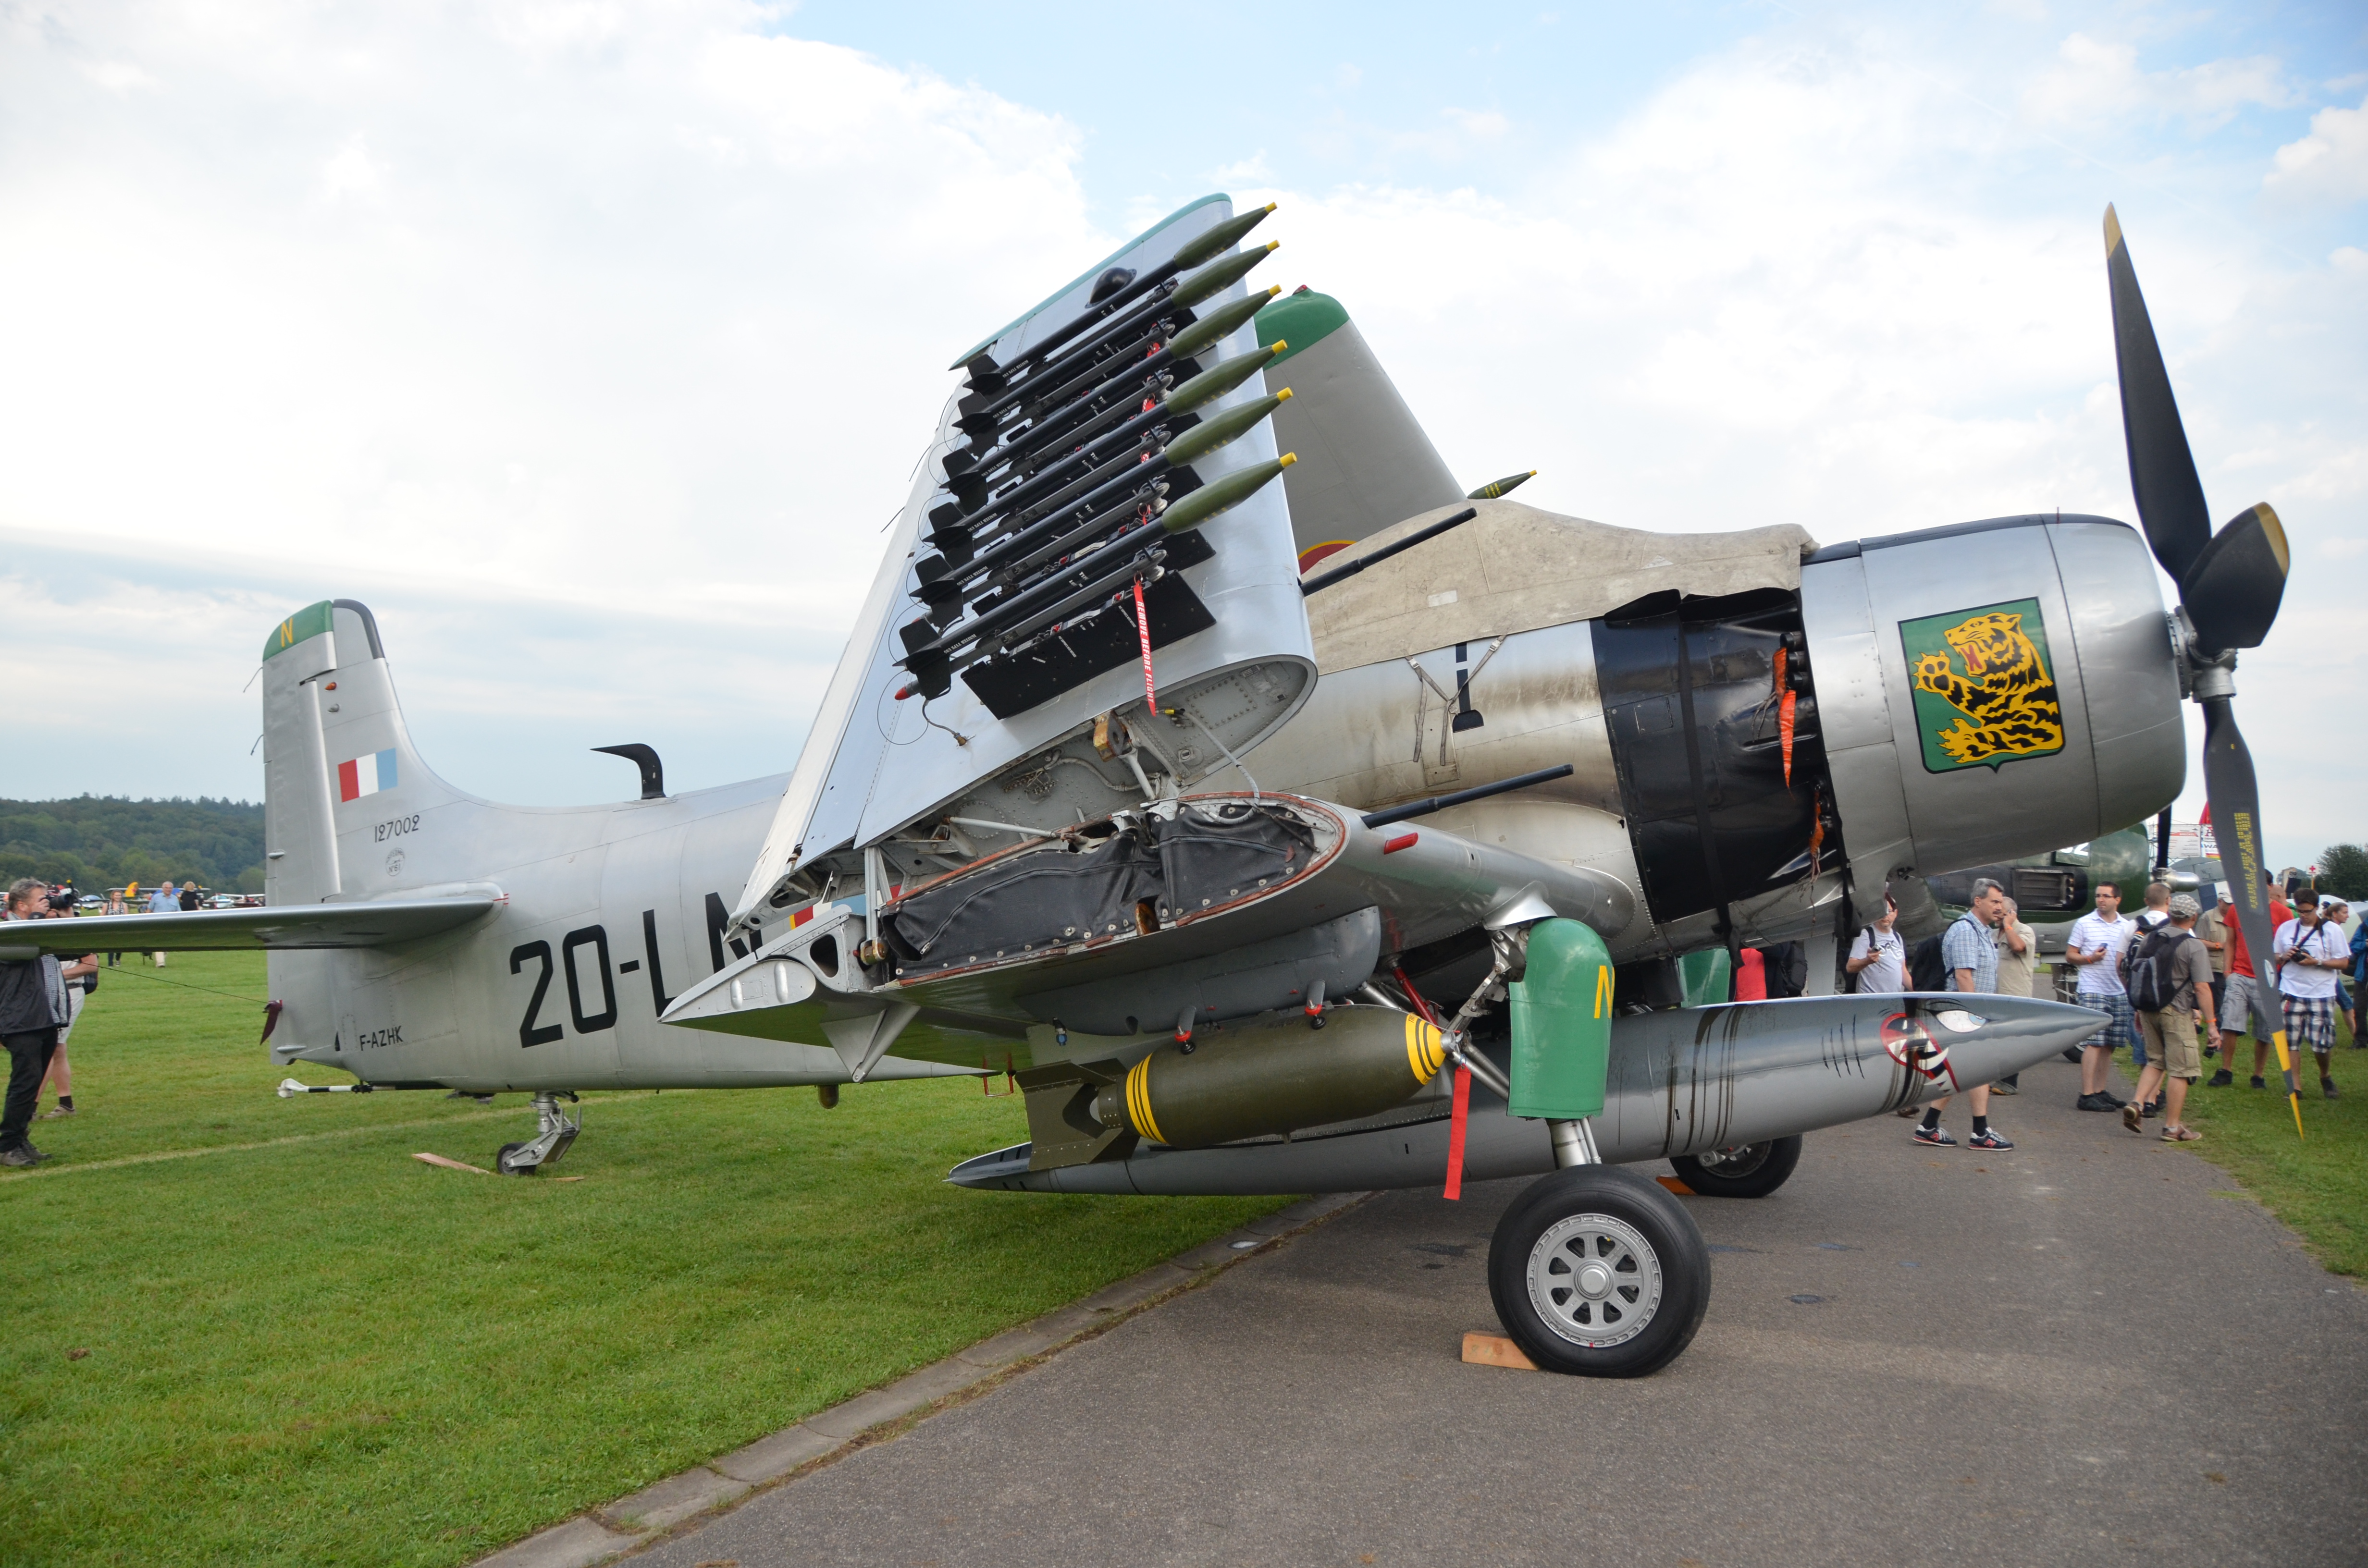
[592,344]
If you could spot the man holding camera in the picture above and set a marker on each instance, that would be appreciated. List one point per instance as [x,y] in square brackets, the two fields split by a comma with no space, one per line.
[2310,952]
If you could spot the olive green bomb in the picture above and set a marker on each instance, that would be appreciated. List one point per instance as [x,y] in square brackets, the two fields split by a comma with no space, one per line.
[1231,491]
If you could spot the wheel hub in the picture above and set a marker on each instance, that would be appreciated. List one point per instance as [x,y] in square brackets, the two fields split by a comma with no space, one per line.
[1736,1159]
[1594,1281]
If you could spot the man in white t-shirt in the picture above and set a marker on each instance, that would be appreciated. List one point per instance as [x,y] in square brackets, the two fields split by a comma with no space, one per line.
[2095,948]
[2309,952]
[1878,958]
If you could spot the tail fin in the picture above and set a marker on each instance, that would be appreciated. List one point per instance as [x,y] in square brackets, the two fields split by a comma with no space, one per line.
[333,738]
[1364,461]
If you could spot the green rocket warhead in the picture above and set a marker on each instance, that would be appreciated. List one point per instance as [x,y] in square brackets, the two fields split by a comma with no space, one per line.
[1220,379]
[1201,246]
[1217,275]
[1218,325]
[1497,487]
[1207,437]
[1231,491]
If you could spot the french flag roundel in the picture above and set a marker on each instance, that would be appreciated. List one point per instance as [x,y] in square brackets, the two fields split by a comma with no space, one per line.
[366,775]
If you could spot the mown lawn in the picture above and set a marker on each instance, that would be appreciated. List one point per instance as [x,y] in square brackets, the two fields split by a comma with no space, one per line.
[320,1350]
[2317,1184]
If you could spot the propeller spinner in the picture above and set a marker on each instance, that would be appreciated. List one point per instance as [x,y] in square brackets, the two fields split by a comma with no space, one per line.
[2230,584]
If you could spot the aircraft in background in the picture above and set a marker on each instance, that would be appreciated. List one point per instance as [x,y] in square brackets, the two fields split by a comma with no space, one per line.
[1287,819]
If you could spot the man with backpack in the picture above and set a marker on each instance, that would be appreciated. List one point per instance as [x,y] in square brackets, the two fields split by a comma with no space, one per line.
[1969,948]
[2169,976]
[2095,948]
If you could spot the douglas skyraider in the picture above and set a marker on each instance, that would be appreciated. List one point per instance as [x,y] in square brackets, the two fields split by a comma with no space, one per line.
[1287,819]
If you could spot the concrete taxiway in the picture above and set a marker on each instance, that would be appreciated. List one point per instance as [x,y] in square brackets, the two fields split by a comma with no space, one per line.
[2087,1349]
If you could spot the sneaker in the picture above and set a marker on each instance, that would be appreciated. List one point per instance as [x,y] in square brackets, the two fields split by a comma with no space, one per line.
[2221,1080]
[2096,1102]
[58,1111]
[2259,1082]
[22,1156]
[1938,1137]
[2152,1108]
[2131,1116]
[2073,1053]
[2004,1088]
[2328,1084]
[1989,1139]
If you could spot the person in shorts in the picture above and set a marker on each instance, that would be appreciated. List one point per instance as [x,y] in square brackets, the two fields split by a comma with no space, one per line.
[2173,1062]
[1969,950]
[2310,952]
[2095,948]
[2236,1000]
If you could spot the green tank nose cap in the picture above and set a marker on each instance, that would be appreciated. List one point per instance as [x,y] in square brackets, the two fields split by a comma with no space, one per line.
[1562,1024]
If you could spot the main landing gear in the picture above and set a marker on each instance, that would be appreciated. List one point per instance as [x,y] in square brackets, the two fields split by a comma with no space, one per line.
[1596,1271]
[558,1130]
[1740,1170]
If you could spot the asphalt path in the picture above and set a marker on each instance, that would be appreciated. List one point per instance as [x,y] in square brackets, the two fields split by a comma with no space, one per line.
[2091,1349]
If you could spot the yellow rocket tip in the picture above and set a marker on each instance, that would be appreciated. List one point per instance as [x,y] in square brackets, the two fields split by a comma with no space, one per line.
[1278,345]
[2295,1101]
[1289,458]
[1274,244]
[1270,206]
[1282,397]
[1533,473]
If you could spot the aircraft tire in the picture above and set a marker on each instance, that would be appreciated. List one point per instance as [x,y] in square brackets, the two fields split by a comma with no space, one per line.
[1754,1170]
[1598,1273]
[502,1164]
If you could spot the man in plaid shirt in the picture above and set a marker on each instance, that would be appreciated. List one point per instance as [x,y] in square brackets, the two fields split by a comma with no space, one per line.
[2309,953]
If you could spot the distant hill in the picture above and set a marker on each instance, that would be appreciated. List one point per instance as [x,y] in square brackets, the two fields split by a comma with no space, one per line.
[98,842]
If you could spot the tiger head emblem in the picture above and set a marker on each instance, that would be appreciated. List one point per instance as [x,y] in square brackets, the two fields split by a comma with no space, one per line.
[2006,703]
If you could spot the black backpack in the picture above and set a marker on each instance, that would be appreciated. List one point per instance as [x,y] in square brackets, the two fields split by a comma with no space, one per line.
[2149,968]
[1927,970]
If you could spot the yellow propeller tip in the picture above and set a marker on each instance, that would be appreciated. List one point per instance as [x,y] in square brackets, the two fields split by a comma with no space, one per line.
[2113,230]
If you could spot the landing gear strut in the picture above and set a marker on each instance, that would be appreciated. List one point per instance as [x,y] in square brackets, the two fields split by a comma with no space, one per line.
[558,1130]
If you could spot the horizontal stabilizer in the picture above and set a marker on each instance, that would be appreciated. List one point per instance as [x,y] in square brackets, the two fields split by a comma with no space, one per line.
[281,927]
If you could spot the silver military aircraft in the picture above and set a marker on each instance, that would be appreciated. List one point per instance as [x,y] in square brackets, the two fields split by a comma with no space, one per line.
[1286,818]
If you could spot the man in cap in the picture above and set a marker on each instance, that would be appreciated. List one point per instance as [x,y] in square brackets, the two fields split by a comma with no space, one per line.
[2179,979]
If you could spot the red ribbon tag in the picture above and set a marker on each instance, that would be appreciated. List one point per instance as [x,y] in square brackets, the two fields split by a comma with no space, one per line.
[1143,635]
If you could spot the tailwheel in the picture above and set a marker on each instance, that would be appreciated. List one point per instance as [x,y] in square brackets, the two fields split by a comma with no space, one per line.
[1740,1170]
[1600,1273]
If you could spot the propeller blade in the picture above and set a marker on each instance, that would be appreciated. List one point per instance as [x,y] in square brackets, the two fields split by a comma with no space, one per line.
[2232,591]
[2237,825]
[2162,471]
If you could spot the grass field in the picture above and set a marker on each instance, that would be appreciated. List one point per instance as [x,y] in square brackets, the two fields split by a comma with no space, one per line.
[305,1346]
[2317,1184]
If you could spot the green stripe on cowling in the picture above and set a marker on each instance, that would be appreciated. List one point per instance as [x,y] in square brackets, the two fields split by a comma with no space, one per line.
[301,627]
[1301,319]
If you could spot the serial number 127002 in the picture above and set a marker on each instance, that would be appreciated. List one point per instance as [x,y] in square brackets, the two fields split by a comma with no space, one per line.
[394,829]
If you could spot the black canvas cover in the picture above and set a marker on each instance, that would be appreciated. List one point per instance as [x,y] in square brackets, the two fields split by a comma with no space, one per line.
[1088,886]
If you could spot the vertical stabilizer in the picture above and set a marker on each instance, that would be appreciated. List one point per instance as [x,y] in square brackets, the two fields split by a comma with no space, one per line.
[1364,461]
[300,835]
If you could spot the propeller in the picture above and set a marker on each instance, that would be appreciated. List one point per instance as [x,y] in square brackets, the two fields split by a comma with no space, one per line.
[2230,584]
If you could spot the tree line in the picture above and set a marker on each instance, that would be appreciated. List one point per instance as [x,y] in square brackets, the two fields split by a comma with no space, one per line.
[101,840]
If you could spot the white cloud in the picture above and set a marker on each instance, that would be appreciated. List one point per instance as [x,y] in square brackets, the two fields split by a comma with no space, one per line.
[1798,285]
[606,389]
[2331,162]
[643,306]
[2096,79]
